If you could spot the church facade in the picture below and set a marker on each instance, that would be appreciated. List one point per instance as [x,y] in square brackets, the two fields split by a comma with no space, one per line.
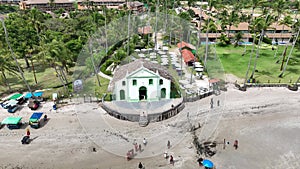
[138,82]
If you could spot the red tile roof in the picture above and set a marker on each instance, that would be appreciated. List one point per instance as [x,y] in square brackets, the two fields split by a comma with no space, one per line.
[187,55]
[184,44]
[214,80]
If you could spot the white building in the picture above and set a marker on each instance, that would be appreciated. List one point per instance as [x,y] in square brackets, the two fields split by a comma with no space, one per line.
[141,80]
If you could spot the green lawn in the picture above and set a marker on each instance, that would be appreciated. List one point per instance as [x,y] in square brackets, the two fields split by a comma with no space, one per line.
[267,68]
[46,78]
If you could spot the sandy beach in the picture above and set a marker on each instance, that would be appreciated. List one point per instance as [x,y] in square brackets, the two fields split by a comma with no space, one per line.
[266,122]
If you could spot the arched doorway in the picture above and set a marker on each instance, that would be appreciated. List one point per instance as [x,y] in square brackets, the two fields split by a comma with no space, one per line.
[143,93]
[163,93]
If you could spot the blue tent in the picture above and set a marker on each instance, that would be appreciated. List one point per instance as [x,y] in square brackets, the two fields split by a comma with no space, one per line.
[35,116]
[207,163]
[36,94]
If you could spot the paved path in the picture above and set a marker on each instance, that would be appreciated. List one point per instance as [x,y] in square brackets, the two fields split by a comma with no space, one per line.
[104,75]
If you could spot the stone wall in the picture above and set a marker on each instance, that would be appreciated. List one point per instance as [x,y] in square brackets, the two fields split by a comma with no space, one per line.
[151,117]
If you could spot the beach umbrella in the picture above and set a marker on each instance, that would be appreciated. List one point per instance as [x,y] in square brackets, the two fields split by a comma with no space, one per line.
[141,55]
[199,69]
[152,56]
[161,52]
[198,66]
[208,163]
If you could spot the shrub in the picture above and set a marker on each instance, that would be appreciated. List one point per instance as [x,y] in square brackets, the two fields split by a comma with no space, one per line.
[267,40]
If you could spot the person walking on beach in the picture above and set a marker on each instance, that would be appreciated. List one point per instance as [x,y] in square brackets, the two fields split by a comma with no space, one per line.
[168,144]
[140,165]
[236,144]
[136,147]
[140,147]
[171,160]
[145,142]
[28,132]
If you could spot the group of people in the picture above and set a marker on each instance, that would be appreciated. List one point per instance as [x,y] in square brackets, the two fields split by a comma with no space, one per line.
[235,144]
[137,148]
[166,154]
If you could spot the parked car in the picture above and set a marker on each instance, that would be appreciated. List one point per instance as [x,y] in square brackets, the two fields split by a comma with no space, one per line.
[21,100]
[34,120]
[13,122]
[33,104]
[6,105]
[13,108]
[3,103]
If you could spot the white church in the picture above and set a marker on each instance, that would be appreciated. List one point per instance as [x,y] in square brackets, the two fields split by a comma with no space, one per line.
[141,80]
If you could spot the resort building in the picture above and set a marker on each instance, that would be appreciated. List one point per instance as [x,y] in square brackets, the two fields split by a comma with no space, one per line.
[141,80]
[277,32]
[45,5]
[136,6]
[9,1]
[69,5]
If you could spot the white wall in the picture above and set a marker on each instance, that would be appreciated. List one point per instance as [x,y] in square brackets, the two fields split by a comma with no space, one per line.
[142,78]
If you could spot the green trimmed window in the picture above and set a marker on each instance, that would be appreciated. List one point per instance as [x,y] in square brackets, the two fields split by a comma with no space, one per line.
[161,82]
[150,81]
[134,82]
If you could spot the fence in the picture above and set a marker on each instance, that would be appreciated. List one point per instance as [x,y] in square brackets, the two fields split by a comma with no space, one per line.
[197,96]
[291,87]
[151,117]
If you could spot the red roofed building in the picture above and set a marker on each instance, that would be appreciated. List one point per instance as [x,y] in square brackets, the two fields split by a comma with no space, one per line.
[185,45]
[187,56]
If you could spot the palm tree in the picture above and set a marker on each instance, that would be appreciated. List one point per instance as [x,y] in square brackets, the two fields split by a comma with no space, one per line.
[255,4]
[237,38]
[279,7]
[7,66]
[286,21]
[260,24]
[233,19]
[118,57]
[15,58]
[294,42]
[56,55]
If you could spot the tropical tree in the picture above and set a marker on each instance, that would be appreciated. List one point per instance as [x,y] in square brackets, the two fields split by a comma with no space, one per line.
[233,19]
[260,25]
[56,55]
[14,56]
[223,40]
[287,21]
[7,66]
[287,61]
[237,38]
[117,58]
